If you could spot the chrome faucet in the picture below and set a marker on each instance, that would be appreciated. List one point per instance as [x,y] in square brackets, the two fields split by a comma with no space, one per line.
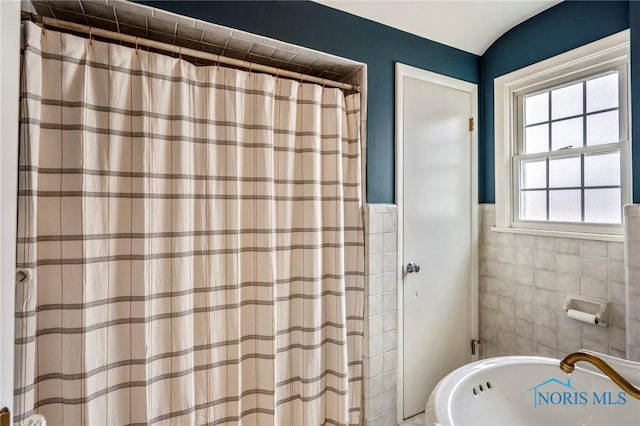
[568,365]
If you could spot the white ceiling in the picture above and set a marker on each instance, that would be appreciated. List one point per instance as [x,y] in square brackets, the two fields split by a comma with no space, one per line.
[468,25]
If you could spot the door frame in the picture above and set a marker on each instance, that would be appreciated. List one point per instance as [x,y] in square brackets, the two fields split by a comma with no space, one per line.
[403,71]
[9,109]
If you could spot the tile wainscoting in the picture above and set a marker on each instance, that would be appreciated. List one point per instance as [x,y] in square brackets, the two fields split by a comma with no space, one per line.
[524,281]
[381,331]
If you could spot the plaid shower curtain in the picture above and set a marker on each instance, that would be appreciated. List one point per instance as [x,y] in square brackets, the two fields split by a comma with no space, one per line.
[195,239]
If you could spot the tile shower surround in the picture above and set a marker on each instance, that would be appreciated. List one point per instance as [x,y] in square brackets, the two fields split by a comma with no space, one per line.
[524,281]
[381,331]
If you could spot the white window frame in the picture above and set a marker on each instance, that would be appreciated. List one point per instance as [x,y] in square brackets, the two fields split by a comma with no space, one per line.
[606,54]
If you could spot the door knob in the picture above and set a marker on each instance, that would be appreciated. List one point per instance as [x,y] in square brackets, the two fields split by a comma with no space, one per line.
[413,267]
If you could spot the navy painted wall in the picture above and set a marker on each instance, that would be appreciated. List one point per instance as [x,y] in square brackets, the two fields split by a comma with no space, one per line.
[319,27]
[561,28]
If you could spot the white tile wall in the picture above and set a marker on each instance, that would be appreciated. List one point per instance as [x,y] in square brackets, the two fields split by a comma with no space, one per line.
[381,334]
[632,273]
[524,281]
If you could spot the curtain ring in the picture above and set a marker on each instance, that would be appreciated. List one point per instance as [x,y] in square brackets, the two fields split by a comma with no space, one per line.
[90,36]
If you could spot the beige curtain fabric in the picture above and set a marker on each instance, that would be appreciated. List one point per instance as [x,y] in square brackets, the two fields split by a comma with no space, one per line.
[196,241]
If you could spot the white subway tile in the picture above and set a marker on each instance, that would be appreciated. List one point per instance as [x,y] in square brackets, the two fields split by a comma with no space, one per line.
[568,263]
[524,275]
[506,271]
[568,283]
[389,262]
[616,270]
[595,288]
[594,267]
[389,402]
[390,341]
[546,336]
[545,260]
[506,306]
[490,284]
[595,333]
[525,241]
[389,360]
[545,279]
[525,329]
[524,347]
[506,254]
[506,322]
[374,365]
[525,256]
[507,289]
[374,350]
[546,243]
[389,242]
[489,317]
[525,311]
[389,281]
[374,245]
[390,222]
[616,251]
[594,248]
[375,305]
[375,285]
[506,342]
[375,325]
[542,350]
[506,239]
[374,386]
[376,223]
[524,293]
[389,321]
[546,318]
[546,298]
[389,381]
[389,302]
[568,245]
[374,262]
[618,338]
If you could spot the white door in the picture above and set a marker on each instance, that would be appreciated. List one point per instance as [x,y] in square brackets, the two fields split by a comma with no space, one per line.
[436,204]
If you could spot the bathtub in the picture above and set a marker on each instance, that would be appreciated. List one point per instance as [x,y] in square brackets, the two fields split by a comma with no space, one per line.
[526,390]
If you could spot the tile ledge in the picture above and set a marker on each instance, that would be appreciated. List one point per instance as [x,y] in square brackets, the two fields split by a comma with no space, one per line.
[561,234]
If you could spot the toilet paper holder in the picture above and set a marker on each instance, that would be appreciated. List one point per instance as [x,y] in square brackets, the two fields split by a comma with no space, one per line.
[586,309]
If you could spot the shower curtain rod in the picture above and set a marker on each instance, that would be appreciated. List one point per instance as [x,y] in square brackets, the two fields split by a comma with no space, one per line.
[93,31]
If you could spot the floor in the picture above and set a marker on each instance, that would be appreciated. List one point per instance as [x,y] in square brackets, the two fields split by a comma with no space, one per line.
[418,420]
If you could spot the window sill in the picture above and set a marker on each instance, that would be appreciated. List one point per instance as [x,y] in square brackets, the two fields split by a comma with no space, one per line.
[561,234]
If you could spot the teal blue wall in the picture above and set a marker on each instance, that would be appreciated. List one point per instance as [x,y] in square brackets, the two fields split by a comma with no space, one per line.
[563,27]
[319,27]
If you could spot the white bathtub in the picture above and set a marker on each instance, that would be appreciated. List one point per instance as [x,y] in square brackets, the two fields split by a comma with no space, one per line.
[524,390]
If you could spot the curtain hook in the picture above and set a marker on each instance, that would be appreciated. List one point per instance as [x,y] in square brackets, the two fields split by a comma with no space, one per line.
[90,36]
[217,62]
[180,53]
[44,31]
[277,72]
[136,45]
[250,66]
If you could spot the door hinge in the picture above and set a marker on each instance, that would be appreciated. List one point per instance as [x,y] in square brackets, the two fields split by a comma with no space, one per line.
[474,343]
[472,124]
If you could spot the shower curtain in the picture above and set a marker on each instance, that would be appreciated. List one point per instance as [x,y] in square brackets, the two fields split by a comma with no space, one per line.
[195,240]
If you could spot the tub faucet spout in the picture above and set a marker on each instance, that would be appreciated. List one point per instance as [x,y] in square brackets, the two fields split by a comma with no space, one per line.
[568,365]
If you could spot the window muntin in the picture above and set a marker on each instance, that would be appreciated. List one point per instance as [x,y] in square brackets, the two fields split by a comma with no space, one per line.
[569,157]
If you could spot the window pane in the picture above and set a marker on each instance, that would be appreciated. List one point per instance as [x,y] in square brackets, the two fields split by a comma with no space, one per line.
[536,108]
[602,169]
[534,174]
[564,172]
[603,128]
[602,206]
[536,139]
[533,205]
[567,101]
[602,93]
[565,133]
[565,206]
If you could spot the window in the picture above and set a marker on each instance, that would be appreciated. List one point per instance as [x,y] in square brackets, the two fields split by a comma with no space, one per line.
[564,153]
